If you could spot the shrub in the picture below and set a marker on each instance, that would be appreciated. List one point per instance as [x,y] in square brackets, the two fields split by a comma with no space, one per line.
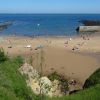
[93,79]
[12,83]
[61,79]
[3,57]
[19,59]
[54,76]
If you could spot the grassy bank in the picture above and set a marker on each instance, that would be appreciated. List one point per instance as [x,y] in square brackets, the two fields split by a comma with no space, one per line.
[12,83]
[87,94]
[93,79]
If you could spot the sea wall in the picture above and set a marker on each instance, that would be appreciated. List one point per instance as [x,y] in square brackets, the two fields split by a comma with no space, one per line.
[88,28]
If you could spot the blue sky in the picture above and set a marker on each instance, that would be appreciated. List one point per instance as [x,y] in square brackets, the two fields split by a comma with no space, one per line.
[49,6]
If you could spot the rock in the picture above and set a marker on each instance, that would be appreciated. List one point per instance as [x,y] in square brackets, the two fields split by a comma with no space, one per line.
[40,84]
[45,84]
[74,86]
[34,84]
[56,91]
[28,70]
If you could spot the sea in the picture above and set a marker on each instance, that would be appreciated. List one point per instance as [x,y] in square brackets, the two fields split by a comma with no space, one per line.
[44,24]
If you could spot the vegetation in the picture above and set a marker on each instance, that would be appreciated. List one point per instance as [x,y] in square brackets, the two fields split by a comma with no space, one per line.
[61,79]
[54,76]
[12,84]
[92,93]
[93,79]
[3,57]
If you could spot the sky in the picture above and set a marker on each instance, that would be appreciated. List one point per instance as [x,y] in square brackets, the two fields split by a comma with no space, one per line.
[49,6]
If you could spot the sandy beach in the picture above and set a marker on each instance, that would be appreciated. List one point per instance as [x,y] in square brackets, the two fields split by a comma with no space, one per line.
[73,57]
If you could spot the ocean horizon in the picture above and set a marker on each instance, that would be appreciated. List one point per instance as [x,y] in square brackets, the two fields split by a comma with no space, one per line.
[44,24]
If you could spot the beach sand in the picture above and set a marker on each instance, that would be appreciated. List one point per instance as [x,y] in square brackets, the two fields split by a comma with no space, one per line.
[73,57]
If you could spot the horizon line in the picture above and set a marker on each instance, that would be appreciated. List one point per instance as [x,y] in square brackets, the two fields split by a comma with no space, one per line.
[49,13]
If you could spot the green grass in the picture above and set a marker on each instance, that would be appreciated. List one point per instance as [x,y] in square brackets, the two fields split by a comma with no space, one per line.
[12,84]
[92,93]
[3,57]
[93,79]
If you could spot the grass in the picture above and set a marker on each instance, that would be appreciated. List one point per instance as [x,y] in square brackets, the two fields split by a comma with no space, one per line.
[87,94]
[3,57]
[12,84]
[93,79]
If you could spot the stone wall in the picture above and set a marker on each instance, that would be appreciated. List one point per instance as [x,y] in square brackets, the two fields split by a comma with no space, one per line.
[89,28]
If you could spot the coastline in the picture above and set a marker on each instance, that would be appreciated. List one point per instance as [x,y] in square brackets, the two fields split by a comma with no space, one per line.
[59,56]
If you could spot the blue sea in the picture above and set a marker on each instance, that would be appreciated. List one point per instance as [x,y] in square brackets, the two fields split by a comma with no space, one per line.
[44,24]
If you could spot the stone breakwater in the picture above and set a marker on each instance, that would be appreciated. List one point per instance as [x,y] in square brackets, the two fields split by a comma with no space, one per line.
[88,29]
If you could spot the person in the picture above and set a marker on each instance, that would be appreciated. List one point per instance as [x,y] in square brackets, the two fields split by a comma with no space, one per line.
[70,39]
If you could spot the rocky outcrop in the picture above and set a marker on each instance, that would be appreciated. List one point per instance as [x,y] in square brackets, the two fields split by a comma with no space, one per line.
[40,84]
[44,85]
[74,86]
